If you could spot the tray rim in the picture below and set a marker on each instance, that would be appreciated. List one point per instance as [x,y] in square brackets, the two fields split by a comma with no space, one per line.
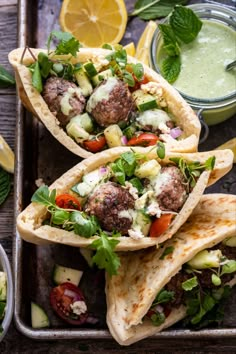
[70,333]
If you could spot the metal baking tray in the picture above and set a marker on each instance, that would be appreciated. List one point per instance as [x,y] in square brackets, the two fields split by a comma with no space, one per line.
[39,155]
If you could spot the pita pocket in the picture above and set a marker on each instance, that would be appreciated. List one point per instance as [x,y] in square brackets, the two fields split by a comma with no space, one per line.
[99,104]
[155,288]
[122,196]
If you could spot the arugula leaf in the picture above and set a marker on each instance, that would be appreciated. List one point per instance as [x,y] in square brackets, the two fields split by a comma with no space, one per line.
[105,257]
[185,23]
[6,79]
[189,284]
[153,9]
[170,41]
[170,68]
[37,78]
[167,251]
[44,196]
[5,185]
[68,44]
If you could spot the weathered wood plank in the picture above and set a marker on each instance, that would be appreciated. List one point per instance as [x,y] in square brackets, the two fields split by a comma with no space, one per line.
[8,33]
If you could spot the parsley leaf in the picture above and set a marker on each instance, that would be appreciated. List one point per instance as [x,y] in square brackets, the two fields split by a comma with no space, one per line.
[105,257]
[68,44]
[5,185]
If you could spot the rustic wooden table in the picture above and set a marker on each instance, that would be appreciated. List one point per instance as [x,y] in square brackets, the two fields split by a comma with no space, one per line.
[14,341]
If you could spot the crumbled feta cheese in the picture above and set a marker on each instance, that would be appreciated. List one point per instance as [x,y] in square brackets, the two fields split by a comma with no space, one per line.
[159,181]
[135,233]
[132,190]
[79,307]
[154,209]
[156,90]
[125,214]
[99,62]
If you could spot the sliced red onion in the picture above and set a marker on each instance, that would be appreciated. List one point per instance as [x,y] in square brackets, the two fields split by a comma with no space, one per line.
[175,132]
[124,140]
[92,320]
[72,294]
[103,170]
[158,308]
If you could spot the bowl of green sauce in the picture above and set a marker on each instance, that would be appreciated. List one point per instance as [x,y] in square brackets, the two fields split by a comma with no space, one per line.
[6,293]
[203,80]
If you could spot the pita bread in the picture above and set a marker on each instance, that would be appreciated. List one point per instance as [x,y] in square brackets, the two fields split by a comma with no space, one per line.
[29,221]
[34,102]
[143,274]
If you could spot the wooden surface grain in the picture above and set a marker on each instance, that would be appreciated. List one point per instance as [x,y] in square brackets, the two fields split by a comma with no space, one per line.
[15,342]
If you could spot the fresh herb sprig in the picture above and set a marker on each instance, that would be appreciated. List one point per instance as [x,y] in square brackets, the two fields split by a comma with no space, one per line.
[192,170]
[153,9]
[82,225]
[184,26]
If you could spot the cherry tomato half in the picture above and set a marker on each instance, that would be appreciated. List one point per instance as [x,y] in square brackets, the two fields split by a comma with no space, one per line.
[61,299]
[160,225]
[67,201]
[96,144]
[144,139]
[137,85]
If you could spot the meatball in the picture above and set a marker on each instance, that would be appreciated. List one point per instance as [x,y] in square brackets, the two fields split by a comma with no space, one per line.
[63,98]
[111,102]
[172,189]
[110,203]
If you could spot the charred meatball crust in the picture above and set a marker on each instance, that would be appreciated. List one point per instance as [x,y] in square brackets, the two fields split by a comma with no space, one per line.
[106,203]
[116,108]
[173,192]
[54,90]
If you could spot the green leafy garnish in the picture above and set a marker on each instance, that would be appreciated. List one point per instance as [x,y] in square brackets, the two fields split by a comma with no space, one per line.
[163,296]
[167,251]
[124,166]
[6,79]
[189,284]
[68,44]
[184,26]
[229,267]
[153,9]
[158,318]
[5,185]
[105,257]
[84,226]
[37,78]
[136,182]
[160,150]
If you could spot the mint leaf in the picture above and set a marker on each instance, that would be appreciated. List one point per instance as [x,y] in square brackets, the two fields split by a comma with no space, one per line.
[6,79]
[153,9]
[105,257]
[171,68]
[170,41]
[190,284]
[185,23]
[5,185]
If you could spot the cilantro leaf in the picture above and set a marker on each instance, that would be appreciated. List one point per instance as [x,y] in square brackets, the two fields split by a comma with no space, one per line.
[105,257]
[68,44]
[189,284]
[170,68]
[5,185]
[185,23]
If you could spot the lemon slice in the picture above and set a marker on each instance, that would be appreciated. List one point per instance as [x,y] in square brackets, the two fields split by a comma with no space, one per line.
[230,144]
[6,156]
[143,46]
[130,49]
[95,22]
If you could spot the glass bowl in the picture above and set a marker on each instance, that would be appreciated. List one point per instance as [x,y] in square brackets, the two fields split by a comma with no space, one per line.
[213,110]
[5,267]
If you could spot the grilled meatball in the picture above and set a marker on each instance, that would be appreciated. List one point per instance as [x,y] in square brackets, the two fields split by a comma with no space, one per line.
[111,102]
[107,203]
[57,89]
[172,189]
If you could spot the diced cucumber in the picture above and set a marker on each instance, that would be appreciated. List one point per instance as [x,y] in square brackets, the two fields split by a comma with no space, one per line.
[130,131]
[143,221]
[113,135]
[144,101]
[90,69]
[82,120]
[84,82]
[3,286]
[206,259]
[148,169]
[39,318]
[153,118]
[63,274]
[88,255]
[230,242]
[103,75]
[75,131]
[90,181]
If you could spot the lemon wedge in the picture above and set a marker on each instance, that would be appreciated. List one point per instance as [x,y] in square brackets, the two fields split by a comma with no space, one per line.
[143,46]
[94,23]
[230,144]
[6,156]
[130,49]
